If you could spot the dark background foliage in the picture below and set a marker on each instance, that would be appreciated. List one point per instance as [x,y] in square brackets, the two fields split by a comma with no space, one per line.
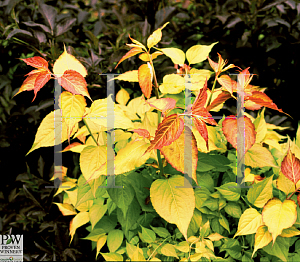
[262,35]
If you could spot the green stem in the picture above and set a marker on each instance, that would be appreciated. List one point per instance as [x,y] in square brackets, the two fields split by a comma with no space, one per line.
[160,164]
[90,131]
[212,91]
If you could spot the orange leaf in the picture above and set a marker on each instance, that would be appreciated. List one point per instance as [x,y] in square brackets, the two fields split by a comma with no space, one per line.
[174,153]
[163,104]
[290,167]
[219,67]
[226,82]
[250,105]
[37,62]
[74,82]
[200,99]
[229,128]
[130,53]
[221,98]
[40,81]
[142,132]
[145,79]
[74,144]
[263,100]
[202,129]
[167,132]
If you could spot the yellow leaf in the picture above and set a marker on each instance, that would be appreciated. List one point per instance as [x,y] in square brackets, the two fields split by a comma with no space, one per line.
[177,56]
[122,97]
[198,77]
[130,76]
[131,157]
[72,107]
[249,222]
[100,243]
[68,62]
[145,76]
[284,184]
[112,256]
[145,57]
[92,158]
[262,238]
[290,232]
[279,215]
[215,237]
[174,204]
[155,37]
[66,209]
[79,220]
[51,133]
[259,156]
[198,53]
[172,84]
[60,172]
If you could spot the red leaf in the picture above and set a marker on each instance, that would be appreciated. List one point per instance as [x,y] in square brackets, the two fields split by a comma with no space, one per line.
[40,81]
[263,100]
[229,128]
[37,62]
[221,98]
[142,132]
[167,132]
[74,144]
[200,99]
[130,53]
[226,82]
[250,105]
[290,167]
[298,200]
[145,80]
[74,82]
[202,129]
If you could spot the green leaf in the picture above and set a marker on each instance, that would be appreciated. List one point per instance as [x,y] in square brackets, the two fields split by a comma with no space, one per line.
[212,204]
[205,180]
[122,196]
[230,191]
[195,223]
[84,191]
[148,235]
[114,239]
[280,248]
[201,195]
[112,256]
[261,192]
[97,211]
[161,231]
[224,222]
[233,209]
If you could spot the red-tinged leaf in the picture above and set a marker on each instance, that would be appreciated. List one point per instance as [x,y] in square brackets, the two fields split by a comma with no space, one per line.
[245,77]
[74,82]
[290,167]
[74,144]
[226,82]
[163,104]
[298,200]
[40,81]
[221,98]
[250,105]
[229,128]
[167,132]
[142,132]
[174,154]
[214,65]
[145,80]
[263,100]
[204,115]
[130,53]
[202,129]
[37,62]
[200,99]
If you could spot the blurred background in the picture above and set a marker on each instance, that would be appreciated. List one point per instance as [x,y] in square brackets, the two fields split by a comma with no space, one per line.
[262,35]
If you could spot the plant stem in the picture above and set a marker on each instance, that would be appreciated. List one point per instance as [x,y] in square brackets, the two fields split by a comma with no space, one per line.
[293,193]
[212,91]
[160,164]
[90,131]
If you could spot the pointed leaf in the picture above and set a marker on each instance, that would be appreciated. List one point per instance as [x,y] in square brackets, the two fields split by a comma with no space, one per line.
[37,62]
[177,56]
[259,156]
[131,76]
[145,79]
[74,82]
[262,238]
[114,239]
[174,153]
[221,98]
[65,25]
[130,53]
[290,167]
[279,215]
[227,83]
[290,232]
[49,13]
[144,56]
[229,128]
[198,53]
[122,97]
[155,37]
[168,131]
[79,220]
[142,132]
[163,104]
[175,205]
[68,62]
[249,222]
[66,209]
